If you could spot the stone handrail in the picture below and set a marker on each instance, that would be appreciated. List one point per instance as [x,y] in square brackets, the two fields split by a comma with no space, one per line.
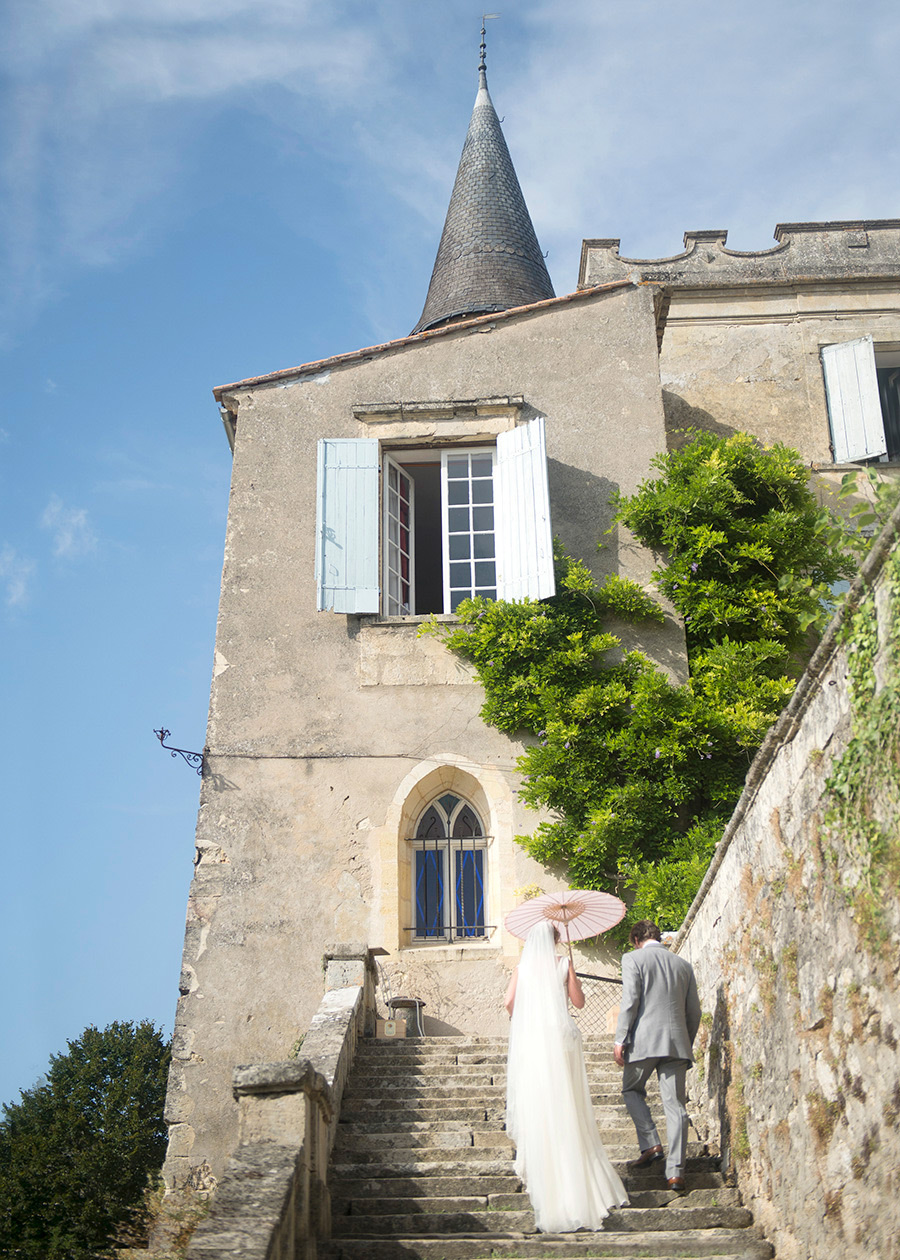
[273,1201]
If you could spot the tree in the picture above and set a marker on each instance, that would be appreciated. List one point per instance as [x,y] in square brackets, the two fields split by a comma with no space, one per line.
[76,1151]
[642,774]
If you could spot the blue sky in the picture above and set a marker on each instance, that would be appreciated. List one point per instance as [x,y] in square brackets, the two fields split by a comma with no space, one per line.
[194,191]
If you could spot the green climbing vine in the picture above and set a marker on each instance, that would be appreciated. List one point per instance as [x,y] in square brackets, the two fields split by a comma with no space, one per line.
[641,774]
[864,785]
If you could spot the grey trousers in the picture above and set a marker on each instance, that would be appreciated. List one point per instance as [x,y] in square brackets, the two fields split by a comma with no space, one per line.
[672,1075]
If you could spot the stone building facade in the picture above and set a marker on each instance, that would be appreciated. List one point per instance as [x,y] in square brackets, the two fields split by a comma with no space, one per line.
[352,792]
[798,344]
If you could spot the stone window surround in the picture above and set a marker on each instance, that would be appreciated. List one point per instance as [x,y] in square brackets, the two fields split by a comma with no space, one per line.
[489,793]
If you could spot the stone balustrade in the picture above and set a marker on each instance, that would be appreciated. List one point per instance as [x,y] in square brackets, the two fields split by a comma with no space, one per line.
[273,1201]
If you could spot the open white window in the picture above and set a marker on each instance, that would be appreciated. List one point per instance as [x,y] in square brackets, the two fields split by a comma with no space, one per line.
[455,522]
[854,403]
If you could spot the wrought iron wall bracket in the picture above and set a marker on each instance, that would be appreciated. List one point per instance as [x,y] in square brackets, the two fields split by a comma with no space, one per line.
[197,761]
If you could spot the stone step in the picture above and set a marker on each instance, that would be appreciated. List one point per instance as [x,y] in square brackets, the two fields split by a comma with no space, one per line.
[463,1160]
[621,1134]
[356,1187]
[447,1074]
[630,1220]
[363,1110]
[371,1107]
[723,1244]
[409,1052]
[517,1201]
[410,1122]
[700,1175]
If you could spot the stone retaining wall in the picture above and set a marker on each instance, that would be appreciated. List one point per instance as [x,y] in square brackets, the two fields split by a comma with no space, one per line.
[795,938]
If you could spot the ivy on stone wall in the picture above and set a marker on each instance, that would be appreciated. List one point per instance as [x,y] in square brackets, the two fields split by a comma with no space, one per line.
[864,785]
[641,774]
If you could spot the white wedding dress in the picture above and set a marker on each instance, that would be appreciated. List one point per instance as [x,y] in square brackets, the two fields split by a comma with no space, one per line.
[560,1155]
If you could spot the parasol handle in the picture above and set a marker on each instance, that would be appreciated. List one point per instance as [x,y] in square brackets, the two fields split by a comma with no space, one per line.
[569,944]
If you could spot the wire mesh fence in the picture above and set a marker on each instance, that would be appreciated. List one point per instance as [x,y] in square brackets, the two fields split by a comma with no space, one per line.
[602,995]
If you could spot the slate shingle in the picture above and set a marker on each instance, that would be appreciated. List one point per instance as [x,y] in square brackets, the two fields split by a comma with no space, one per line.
[489,258]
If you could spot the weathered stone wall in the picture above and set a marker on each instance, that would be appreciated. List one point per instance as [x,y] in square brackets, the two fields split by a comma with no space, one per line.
[795,938]
[329,733]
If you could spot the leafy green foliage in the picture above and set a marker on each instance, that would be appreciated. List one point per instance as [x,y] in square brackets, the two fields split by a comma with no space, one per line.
[642,774]
[76,1151]
[872,497]
[864,785]
[749,553]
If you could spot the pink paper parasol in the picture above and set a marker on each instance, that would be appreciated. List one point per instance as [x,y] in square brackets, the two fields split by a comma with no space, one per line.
[579,913]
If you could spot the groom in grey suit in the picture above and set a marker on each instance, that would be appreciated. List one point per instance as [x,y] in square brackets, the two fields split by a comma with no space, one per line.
[658,1021]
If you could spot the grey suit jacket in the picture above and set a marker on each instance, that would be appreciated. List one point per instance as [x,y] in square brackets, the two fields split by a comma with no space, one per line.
[660,1011]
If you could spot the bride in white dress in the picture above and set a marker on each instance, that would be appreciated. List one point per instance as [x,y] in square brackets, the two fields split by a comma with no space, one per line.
[560,1156]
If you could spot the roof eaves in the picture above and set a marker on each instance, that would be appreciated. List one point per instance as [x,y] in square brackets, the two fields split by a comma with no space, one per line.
[369,352]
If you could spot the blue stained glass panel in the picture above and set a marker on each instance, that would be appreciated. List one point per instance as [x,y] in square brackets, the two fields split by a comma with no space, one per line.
[469,892]
[429,893]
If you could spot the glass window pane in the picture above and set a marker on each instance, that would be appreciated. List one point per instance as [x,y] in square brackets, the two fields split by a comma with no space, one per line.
[429,893]
[482,466]
[482,518]
[485,573]
[483,546]
[469,892]
[487,594]
[460,575]
[460,547]
[431,825]
[456,598]
[482,492]
[457,468]
[458,492]
[466,824]
[458,520]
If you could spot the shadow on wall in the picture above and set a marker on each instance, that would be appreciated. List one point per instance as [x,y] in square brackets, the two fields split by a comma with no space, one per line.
[723,1082]
[580,512]
[680,415]
[438,1028]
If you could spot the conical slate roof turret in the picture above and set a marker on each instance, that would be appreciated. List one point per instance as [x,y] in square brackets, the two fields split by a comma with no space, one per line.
[489,258]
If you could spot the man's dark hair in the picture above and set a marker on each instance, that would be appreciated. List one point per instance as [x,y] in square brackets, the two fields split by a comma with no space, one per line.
[643,930]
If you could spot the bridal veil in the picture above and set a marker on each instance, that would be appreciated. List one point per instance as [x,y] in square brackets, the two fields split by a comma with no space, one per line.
[549,1115]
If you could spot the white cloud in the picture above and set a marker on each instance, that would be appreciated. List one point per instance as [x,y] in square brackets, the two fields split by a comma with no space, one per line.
[637,121]
[105,97]
[72,534]
[16,573]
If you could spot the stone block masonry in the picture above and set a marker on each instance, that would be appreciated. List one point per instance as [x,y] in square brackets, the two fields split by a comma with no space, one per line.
[794,937]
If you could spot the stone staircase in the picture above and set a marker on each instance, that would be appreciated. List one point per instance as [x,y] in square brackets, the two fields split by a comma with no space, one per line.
[422,1167]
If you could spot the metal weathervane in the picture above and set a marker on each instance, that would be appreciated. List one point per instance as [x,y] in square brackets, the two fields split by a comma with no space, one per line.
[485,17]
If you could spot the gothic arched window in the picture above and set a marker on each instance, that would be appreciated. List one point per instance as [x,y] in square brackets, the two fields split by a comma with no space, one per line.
[448,853]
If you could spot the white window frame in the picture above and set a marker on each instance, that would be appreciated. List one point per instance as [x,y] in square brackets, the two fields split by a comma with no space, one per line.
[391,547]
[351,530]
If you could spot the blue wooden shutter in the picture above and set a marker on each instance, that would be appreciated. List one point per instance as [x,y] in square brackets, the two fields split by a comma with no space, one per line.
[347,526]
[854,405]
[524,537]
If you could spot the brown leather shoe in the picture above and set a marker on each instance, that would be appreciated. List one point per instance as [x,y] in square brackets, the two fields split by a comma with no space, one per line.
[676,1184]
[650,1156]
